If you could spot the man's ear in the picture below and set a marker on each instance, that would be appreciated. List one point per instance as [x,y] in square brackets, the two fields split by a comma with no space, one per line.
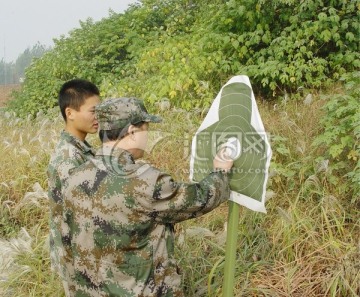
[131,131]
[69,112]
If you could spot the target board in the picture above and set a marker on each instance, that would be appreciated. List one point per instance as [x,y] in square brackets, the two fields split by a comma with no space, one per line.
[234,123]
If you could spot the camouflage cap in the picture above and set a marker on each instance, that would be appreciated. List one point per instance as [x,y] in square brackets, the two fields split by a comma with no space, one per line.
[118,113]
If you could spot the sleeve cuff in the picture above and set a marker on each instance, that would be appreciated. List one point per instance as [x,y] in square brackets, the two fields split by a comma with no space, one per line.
[221,170]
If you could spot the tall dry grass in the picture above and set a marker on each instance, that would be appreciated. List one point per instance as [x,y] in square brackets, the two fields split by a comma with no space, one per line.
[306,245]
[25,146]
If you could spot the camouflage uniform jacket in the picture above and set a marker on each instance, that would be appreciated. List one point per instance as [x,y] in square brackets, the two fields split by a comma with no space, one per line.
[69,153]
[121,216]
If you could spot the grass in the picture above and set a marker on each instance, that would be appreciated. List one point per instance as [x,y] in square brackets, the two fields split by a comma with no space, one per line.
[306,245]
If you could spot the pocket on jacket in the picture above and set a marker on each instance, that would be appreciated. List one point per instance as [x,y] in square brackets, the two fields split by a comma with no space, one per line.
[117,280]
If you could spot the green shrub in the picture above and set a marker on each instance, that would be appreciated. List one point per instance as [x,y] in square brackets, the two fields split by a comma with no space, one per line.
[340,139]
[185,51]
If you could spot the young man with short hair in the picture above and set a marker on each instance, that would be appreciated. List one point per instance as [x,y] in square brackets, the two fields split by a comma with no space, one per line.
[77,100]
[123,212]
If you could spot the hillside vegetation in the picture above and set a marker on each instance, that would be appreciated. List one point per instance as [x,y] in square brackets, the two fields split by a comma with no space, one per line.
[185,50]
[303,61]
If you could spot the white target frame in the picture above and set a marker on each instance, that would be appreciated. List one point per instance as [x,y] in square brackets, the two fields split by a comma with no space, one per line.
[234,120]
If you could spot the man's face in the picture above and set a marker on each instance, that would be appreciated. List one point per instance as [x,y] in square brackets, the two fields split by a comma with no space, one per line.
[84,120]
[141,139]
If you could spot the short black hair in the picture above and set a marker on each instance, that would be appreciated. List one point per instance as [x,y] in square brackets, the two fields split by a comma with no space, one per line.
[73,93]
[116,134]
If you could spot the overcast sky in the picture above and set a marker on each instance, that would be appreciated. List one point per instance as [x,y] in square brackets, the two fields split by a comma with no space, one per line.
[23,23]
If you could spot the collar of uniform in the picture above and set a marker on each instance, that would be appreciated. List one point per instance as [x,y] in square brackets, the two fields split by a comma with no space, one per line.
[119,161]
[122,156]
[84,146]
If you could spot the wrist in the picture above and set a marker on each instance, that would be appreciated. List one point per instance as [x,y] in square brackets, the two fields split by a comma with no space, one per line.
[223,170]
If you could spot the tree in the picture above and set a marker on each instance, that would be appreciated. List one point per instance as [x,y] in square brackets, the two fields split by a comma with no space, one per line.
[24,60]
[11,73]
[6,72]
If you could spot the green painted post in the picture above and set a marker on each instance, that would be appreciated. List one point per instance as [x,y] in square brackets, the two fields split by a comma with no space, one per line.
[230,251]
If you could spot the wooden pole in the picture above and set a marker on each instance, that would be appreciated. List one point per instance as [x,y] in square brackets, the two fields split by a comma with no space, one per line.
[230,251]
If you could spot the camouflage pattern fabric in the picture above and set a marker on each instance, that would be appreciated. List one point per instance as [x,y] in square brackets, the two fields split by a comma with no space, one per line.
[121,217]
[69,153]
[118,113]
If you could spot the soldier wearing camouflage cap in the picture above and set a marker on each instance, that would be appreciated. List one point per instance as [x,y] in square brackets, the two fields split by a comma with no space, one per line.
[121,212]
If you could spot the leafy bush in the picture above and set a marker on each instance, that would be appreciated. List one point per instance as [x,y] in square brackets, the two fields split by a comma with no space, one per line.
[340,139]
[185,51]
[287,44]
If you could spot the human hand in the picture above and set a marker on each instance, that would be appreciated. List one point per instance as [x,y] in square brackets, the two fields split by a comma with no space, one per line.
[222,160]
